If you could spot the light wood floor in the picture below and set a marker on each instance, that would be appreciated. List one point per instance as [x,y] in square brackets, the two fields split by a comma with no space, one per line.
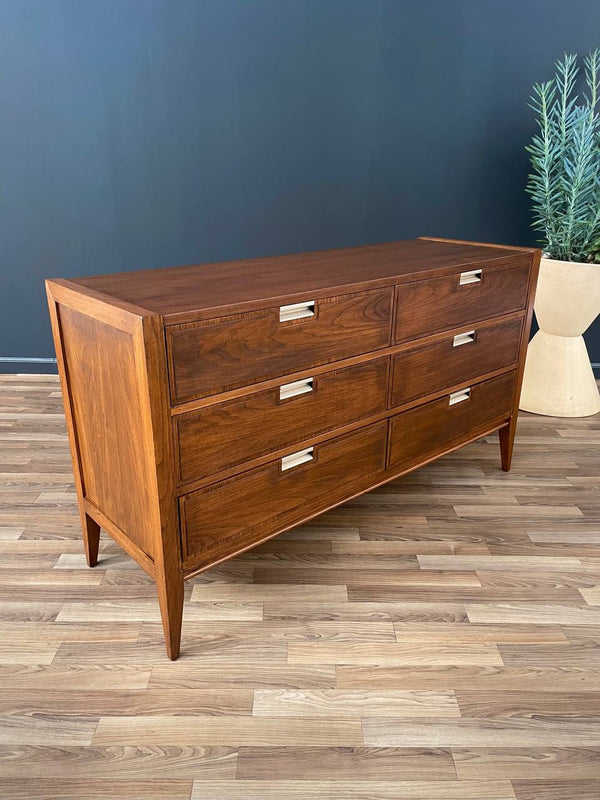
[437,639]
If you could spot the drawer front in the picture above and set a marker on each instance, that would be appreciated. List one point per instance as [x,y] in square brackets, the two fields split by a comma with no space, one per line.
[227,434]
[428,430]
[439,304]
[217,355]
[421,371]
[229,516]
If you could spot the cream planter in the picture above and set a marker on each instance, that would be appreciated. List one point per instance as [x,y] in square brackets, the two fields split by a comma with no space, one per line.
[558,379]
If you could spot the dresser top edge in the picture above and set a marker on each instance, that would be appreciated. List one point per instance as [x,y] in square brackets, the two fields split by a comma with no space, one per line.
[187,293]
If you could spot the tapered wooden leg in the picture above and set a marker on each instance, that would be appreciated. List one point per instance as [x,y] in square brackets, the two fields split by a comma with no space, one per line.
[170,599]
[91,538]
[507,438]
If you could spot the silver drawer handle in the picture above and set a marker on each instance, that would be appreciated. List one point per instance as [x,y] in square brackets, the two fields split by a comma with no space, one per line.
[474,276]
[458,397]
[463,338]
[295,459]
[297,311]
[295,388]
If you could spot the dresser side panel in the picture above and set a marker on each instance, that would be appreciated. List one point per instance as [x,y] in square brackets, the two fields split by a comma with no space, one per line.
[107,406]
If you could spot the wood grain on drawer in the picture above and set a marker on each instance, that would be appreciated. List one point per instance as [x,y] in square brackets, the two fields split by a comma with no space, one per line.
[224,435]
[424,370]
[220,354]
[438,304]
[428,430]
[229,516]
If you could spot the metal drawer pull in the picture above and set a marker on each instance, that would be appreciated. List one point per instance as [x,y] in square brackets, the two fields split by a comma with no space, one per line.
[458,397]
[297,311]
[474,276]
[295,459]
[463,338]
[295,388]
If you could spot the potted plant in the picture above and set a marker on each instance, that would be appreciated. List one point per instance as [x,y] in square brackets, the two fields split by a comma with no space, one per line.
[565,190]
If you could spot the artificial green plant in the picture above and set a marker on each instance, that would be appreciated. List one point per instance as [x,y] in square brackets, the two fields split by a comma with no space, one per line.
[565,157]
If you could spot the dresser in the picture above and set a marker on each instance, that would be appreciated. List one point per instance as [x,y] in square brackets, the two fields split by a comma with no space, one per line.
[212,407]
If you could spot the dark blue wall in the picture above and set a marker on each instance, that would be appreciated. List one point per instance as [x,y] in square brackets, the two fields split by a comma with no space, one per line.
[145,133]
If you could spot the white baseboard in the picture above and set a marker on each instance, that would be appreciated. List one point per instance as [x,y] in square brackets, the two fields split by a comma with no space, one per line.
[19,360]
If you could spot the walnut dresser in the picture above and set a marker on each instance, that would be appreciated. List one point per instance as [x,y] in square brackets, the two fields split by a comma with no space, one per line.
[211,407]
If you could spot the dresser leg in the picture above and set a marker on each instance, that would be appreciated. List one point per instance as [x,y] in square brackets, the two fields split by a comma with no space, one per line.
[91,538]
[507,438]
[170,600]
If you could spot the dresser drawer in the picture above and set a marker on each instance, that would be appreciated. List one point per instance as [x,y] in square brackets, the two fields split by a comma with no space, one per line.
[224,435]
[421,371]
[234,514]
[477,293]
[426,431]
[216,355]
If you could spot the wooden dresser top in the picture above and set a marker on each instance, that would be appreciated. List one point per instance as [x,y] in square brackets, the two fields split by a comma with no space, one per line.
[183,293]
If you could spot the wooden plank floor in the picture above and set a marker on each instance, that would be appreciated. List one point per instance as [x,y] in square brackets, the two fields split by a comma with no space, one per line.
[436,639]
